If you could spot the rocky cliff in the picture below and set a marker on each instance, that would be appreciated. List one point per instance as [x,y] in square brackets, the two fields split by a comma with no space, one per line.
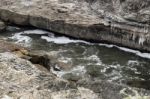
[123,22]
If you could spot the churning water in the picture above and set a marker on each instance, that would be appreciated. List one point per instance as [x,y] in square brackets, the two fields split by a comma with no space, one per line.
[85,59]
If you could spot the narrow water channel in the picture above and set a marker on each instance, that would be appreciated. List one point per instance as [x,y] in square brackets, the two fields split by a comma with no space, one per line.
[87,60]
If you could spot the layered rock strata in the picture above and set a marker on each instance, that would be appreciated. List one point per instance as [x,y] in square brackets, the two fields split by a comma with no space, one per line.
[122,22]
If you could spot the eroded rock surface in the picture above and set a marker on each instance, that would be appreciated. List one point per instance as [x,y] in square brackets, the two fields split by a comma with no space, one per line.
[123,22]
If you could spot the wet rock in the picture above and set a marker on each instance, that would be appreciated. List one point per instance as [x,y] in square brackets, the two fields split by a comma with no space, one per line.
[2,26]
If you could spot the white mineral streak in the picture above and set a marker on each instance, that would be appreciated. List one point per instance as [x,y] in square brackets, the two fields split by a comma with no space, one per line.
[141,40]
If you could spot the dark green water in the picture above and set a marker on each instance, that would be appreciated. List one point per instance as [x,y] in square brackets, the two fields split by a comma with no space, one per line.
[88,60]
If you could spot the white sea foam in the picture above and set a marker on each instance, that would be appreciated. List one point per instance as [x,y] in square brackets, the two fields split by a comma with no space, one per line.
[106,45]
[36,31]
[136,52]
[65,40]
[62,40]
[52,38]
[77,70]
[26,40]
[65,59]
[21,39]
[94,58]
[133,62]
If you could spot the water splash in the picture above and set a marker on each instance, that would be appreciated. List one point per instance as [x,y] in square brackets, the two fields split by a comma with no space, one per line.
[21,39]
[79,70]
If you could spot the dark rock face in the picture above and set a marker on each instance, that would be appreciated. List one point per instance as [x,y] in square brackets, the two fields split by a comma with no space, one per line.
[41,59]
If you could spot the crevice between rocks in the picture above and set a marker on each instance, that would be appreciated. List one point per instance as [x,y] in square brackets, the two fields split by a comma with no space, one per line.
[41,60]
[37,59]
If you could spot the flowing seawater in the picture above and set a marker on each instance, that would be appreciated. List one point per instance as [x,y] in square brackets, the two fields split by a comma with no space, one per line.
[84,59]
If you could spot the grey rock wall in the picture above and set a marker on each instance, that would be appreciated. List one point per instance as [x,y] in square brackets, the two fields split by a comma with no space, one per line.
[122,22]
